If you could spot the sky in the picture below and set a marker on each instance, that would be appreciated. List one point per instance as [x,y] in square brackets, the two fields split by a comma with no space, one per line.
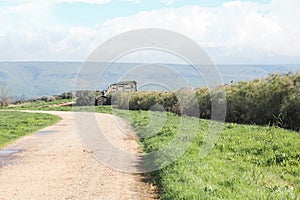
[231,32]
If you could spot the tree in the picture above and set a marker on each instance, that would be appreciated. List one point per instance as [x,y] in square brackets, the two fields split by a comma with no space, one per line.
[4,95]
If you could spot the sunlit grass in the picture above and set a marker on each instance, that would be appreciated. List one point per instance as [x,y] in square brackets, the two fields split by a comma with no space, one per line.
[14,125]
[52,106]
[248,162]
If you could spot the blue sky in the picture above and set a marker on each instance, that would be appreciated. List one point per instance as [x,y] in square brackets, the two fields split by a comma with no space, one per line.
[231,32]
[71,13]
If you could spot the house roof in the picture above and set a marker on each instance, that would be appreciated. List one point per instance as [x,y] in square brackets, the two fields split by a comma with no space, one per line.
[124,83]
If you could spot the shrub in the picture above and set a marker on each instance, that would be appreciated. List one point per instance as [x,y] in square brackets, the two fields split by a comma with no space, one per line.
[274,100]
[48,98]
[85,98]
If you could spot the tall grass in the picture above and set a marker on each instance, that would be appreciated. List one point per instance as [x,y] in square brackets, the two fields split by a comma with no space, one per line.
[248,162]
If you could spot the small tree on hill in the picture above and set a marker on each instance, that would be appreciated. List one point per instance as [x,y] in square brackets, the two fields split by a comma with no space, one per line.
[4,95]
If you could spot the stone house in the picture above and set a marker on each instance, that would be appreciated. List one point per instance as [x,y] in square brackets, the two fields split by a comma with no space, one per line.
[124,86]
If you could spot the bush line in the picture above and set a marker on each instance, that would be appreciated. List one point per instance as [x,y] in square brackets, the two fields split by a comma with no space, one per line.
[274,100]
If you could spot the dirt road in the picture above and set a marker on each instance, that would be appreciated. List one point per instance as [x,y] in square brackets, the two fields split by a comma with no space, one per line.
[53,164]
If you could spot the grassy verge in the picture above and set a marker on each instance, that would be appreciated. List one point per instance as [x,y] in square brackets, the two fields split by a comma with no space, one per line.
[51,106]
[17,124]
[42,105]
[248,162]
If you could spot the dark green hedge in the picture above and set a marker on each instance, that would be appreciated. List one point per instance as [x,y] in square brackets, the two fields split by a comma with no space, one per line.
[274,101]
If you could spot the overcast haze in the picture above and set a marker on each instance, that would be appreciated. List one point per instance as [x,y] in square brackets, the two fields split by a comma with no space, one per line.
[231,32]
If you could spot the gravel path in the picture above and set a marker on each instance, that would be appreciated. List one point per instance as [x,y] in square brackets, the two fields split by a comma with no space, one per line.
[55,165]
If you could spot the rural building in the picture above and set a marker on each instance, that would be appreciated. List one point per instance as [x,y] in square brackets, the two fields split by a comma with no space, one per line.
[124,86]
[100,100]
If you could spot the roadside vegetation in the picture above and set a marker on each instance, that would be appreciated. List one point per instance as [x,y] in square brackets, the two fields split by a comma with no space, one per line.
[55,106]
[41,105]
[260,160]
[274,100]
[17,124]
[248,161]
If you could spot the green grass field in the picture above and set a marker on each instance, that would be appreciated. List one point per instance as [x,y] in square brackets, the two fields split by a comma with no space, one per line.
[248,162]
[17,124]
[42,105]
[50,106]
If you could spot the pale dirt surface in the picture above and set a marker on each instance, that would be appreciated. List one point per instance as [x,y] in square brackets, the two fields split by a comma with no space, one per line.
[55,165]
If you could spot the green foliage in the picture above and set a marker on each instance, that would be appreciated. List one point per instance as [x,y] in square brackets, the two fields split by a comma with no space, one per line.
[85,98]
[53,106]
[274,100]
[248,162]
[66,95]
[271,101]
[17,124]
[146,100]
[41,105]
[48,98]
[204,99]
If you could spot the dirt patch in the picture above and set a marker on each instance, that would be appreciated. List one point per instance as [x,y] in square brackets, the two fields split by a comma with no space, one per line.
[9,157]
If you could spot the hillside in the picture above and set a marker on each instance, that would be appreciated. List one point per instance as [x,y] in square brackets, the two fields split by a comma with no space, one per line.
[34,79]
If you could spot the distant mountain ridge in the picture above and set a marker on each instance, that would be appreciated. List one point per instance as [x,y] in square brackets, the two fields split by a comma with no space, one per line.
[35,79]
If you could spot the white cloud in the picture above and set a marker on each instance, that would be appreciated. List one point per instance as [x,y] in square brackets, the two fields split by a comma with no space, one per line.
[135,1]
[26,7]
[85,1]
[167,2]
[49,43]
[237,32]
[94,1]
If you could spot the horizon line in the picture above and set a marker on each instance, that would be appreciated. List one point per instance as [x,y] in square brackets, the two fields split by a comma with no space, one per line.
[53,61]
